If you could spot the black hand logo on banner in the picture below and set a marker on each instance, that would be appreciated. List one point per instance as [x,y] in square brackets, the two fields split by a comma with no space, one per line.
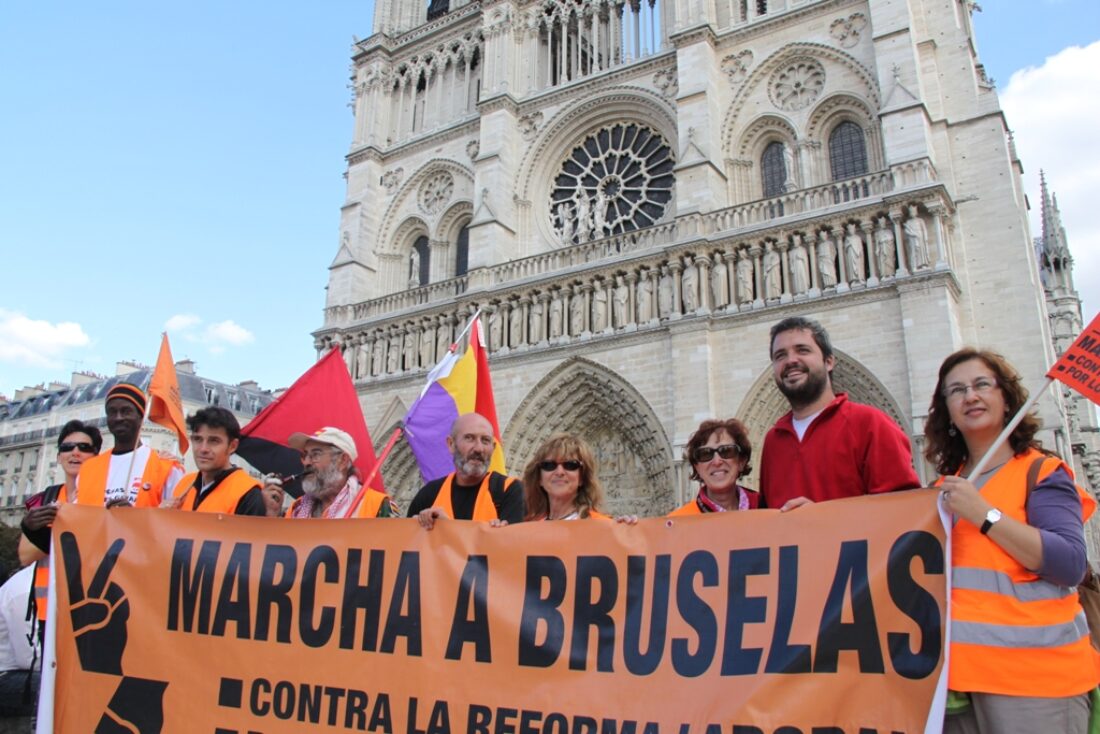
[99,613]
[136,708]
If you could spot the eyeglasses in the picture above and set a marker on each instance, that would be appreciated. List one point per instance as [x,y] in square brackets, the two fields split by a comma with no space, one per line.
[85,447]
[316,454]
[703,454]
[553,465]
[958,390]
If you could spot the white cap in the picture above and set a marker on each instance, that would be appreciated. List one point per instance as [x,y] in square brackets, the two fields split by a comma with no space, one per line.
[332,436]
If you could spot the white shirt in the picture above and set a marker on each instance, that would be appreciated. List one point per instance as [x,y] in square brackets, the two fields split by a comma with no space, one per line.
[120,471]
[16,652]
[801,424]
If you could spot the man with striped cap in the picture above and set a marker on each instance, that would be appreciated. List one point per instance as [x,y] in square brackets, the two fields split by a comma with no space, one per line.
[131,473]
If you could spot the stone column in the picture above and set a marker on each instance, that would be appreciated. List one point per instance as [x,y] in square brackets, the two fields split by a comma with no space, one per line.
[675,267]
[838,234]
[936,209]
[867,227]
[702,265]
[756,252]
[785,267]
[632,315]
[899,241]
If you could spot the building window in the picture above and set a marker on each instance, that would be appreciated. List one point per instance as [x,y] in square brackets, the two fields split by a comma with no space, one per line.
[847,151]
[761,7]
[773,169]
[462,251]
[438,8]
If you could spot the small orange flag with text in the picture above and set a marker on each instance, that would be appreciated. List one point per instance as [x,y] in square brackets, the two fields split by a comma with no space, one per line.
[1079,367]
[165,403]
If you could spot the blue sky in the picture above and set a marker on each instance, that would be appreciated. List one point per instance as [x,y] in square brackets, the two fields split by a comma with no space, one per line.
[181,162]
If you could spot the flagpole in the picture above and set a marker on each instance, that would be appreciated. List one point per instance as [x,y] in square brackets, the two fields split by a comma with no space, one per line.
[1008,429]
[133,453]
[466,329]
[373,471]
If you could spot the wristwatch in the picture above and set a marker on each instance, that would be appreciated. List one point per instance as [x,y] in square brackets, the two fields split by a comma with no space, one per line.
[990,517]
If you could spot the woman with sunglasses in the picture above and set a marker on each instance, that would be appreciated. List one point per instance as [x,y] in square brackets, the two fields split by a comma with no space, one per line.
[719,452]
[76,443]
[1019,641]
[560,481]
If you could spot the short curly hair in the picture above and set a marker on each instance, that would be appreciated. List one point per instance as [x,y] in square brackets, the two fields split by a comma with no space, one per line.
[948,452]
[737,431]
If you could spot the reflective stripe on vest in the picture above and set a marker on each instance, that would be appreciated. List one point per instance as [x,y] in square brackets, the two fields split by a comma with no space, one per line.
[41,587]
[996,582]
[1017,636]
[484,509]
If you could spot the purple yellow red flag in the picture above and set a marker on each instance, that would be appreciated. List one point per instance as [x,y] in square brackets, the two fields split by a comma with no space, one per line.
[1079,367]
[165,403]
[457,385]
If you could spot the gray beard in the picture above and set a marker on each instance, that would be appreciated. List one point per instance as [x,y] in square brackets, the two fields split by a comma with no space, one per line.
[323,484]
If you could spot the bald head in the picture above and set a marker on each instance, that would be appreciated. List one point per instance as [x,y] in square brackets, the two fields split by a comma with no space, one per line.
[471,443]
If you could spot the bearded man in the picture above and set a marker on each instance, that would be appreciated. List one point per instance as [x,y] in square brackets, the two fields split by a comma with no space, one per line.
[471,492]
[826,447]
[331,482]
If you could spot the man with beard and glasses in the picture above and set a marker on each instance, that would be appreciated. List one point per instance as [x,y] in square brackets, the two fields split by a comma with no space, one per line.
[331,482]
[471,492]
[827,447]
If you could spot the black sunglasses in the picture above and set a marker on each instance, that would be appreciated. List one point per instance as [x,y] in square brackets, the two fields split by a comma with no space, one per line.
[706,453]
[553,465]
[66,447]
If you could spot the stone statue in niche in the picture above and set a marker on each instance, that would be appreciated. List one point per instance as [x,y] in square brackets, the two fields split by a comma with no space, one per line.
[393,354]
[566,216]
[885,252]
[414,269]
[664,293]
[584,215]
[362,360]
[496,328]
[410,344]
[853,254]
[576,312]
[427,343]
[535,329]
[349,357]
[744,280]
[556,317]
[800,266]
[826,259]
[645,297]
[515,325]
[690,283]
[442,339]
[378,356]
[916,240]
[719,282]
[599,307]
[599,216]
[773,273]
[621,303]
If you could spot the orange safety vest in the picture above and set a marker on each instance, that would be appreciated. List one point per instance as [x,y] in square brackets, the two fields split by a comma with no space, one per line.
[484,509]
[1013,633]
[42,571]
[92,480]
[368,508]
[597,515]
[222,499]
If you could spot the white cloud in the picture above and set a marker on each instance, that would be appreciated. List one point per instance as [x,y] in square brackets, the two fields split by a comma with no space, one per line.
[226,333]
[1052,110]
[37,343]
[182,322]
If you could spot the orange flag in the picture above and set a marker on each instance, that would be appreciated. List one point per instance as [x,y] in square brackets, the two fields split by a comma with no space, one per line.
[1079,367]
[165,405]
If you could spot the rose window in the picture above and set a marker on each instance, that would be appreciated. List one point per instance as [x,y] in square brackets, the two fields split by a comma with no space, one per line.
[618,180]
[798,85]
[436,192]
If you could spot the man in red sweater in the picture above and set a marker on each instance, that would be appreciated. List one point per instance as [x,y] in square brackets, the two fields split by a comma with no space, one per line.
[826,448]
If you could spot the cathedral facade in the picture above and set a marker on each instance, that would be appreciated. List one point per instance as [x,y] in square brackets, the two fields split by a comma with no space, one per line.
[632,192]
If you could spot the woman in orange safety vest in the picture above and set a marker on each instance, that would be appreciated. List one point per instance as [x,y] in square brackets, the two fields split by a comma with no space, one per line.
[1019,641]
[719,452]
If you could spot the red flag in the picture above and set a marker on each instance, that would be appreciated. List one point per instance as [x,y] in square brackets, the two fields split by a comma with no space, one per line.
[323,396]
[484,404]
[1079,367]
[165,404]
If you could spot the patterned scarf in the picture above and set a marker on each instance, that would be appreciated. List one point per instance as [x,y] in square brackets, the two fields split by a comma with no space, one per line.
[706,504]
[303,508]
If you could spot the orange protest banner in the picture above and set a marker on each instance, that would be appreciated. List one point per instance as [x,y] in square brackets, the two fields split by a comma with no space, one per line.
[829,619]
[1079,367]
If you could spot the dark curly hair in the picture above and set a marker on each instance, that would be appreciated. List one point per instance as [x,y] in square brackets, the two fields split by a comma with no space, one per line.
[735,428]
[949,452]
[562,447]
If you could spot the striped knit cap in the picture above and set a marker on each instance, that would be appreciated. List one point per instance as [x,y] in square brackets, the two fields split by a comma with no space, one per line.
[126,391]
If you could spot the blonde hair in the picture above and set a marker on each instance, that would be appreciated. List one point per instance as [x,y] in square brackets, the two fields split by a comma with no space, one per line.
[562,447]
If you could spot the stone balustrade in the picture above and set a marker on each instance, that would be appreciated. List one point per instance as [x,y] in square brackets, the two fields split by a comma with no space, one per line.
[834,253]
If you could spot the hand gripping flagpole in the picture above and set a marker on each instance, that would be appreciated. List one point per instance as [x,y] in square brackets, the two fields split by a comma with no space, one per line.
[400,430]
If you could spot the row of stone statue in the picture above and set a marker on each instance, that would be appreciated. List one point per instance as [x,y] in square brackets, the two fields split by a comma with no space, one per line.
[835,258]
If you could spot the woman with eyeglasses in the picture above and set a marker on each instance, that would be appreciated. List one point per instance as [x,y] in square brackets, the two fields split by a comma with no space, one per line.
[560,481]
[1019,641]
[76,443]
[719,453]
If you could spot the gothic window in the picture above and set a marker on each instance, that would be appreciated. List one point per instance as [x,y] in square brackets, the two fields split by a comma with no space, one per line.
[847,151]
[618,180]
[418,265]
[462,251]
[761,7]
[773,169]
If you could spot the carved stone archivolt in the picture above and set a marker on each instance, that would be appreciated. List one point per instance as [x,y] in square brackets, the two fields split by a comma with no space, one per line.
[846,30]
[601,407]
[797,85]
[436,191]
